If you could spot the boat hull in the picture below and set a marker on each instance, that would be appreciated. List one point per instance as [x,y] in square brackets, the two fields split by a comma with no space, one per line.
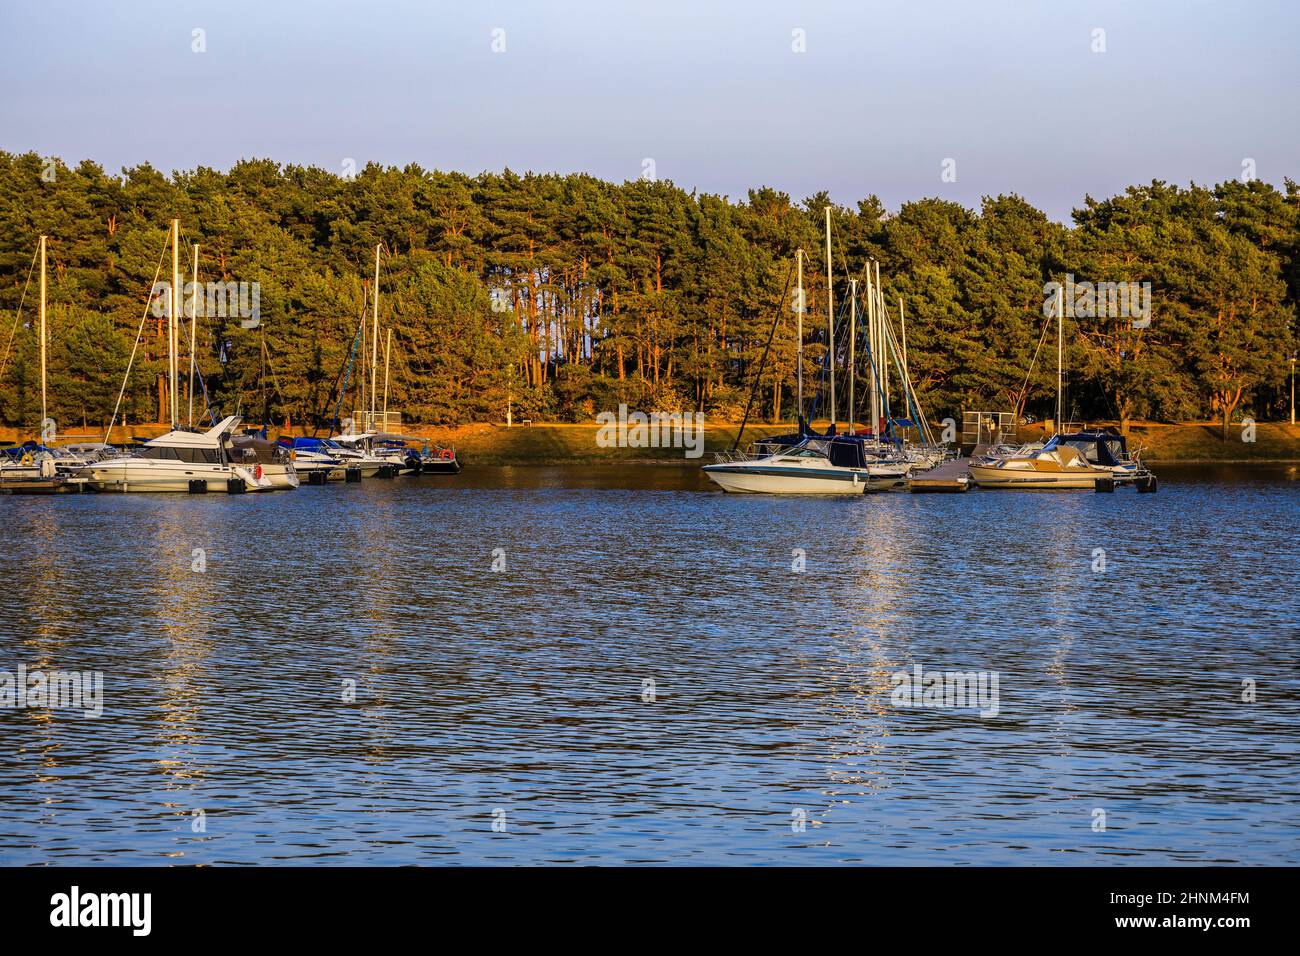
[762,480]
[135,474]
[439,466]
[1029,479]
[282,477]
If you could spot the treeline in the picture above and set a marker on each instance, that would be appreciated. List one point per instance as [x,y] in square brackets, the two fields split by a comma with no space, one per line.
[567,295]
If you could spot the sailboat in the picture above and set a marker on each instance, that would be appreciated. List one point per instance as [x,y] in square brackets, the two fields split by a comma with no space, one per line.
[820,464]
[182,459]
[32,460]
[32,466]
[1059,464]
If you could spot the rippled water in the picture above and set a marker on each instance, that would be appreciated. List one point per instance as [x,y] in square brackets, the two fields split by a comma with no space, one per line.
[519,696]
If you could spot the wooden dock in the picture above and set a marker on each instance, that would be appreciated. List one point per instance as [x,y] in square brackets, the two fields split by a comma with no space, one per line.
[43,486]
[951,476]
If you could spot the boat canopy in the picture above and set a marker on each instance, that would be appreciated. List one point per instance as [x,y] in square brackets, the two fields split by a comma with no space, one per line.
[304,442]
[256,448]
[1098,446]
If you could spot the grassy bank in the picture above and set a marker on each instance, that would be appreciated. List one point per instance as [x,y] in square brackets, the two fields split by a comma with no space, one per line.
[1201,442]
[551,444]
[559,444]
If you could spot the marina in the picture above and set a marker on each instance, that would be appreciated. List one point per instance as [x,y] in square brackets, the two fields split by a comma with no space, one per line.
[442,438]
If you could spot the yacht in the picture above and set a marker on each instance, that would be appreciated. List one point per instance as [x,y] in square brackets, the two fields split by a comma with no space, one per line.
[179,461]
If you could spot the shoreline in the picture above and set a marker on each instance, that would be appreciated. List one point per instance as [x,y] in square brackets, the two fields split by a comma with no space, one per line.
[559,444]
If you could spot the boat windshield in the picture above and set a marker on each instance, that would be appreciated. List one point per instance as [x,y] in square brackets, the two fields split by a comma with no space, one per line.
[1087,449]
[809,449]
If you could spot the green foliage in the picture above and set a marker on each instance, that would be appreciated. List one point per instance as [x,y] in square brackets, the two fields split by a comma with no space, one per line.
[566,295]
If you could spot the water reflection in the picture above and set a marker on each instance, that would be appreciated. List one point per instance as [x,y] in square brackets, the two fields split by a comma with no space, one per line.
[525,690]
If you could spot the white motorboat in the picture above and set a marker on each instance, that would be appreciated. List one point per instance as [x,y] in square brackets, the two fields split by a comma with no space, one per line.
[833,465]
[179,461]
[386,447]
[354,458]
[312,456]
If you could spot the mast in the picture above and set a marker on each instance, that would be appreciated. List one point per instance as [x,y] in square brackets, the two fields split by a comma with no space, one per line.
[361,372]
[873,346]
[194,321]
[374,345]
[902,321]
[1060,351]
[799,322]
[830,308]
[388,349]
[173,319]
[853,337]
[43,404]
[882,317]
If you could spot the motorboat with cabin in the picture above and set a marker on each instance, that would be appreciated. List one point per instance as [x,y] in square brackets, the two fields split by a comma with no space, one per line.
[817,465]
[1054,466]
[1096,459]
[312,457]
[180,460]
[337,460]
[391,449]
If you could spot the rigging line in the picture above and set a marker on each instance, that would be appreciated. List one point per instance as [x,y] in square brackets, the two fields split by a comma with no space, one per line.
[843,260]
[780,305]
[909,393]
[198,373]
[1024,389]
[19,313]
[822,366]
[356,340]
[130,362]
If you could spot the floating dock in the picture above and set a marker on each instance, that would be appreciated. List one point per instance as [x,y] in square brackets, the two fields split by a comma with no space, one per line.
[951,476]
[43,486]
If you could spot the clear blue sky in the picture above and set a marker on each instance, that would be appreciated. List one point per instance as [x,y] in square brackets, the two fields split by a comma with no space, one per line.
[712,92]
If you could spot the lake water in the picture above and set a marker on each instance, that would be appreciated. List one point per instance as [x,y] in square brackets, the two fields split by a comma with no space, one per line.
[649,679]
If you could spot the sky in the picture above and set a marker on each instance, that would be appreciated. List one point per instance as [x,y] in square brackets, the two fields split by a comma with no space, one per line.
[902,100]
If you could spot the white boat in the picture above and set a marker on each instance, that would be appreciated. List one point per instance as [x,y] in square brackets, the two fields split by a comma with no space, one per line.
[385,447]
[815,466]
[313,455]
[266,458]
[351,458]
[179,461]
